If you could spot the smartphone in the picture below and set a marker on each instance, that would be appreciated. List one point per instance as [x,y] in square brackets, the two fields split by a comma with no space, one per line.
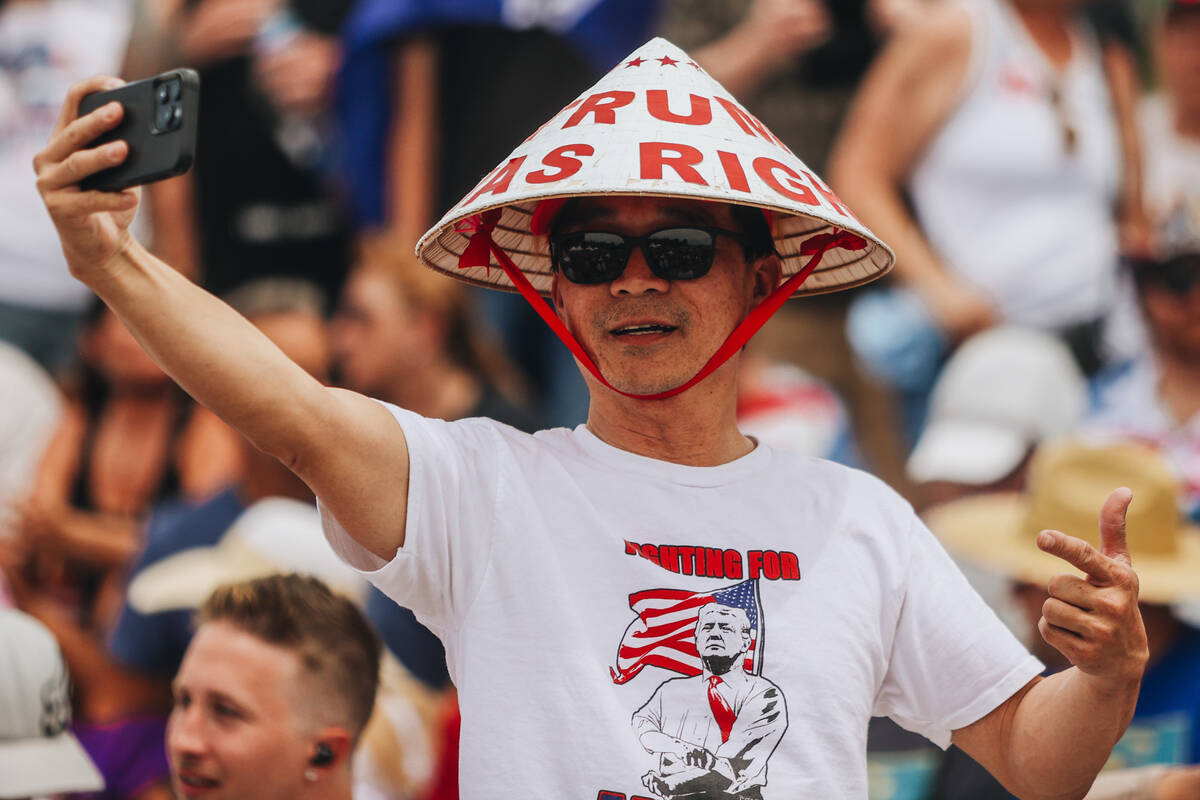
[159,125]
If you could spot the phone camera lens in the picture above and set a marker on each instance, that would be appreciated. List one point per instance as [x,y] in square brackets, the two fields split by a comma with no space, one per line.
[163,93]
[176,115]
[175,89]
[163,118]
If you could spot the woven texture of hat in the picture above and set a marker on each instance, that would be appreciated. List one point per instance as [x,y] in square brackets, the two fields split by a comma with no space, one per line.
[656,125]
[1068,483]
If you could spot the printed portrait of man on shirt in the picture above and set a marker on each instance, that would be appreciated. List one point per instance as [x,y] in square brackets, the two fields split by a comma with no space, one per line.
[713,732]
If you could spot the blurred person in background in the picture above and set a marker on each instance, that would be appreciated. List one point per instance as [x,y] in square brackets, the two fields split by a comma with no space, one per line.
[409,750]
[1170,119]
[273,693]
[408,742]
[289,312]
[149,645]
[1156,396]
[264,201]
[129,439]
[263,524]
[30,410]
[1008,125]
[39,756]
[795,65]
[407,335]
[1159,755]
[1004,392]
[45,46]
[786,407]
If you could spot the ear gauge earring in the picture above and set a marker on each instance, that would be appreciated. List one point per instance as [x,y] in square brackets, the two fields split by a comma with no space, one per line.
[310,775]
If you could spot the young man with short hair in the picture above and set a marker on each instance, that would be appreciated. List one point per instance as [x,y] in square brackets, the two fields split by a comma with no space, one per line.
[273,693]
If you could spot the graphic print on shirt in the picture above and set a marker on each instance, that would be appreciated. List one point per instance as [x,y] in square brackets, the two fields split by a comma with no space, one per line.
[711,731]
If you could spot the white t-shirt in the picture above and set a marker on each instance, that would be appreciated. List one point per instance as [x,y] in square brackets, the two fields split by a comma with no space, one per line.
[565,577]
[44,48]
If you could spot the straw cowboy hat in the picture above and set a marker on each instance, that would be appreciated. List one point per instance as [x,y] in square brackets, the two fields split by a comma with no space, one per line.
[1068,483]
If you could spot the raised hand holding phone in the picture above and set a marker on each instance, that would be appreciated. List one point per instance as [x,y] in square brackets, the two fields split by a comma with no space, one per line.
[92,225]
[1094,621]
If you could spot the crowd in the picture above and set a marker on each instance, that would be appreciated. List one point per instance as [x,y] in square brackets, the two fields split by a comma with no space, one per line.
[1033,164]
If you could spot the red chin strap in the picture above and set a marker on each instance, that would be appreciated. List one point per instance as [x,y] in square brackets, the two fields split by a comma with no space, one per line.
[480,247]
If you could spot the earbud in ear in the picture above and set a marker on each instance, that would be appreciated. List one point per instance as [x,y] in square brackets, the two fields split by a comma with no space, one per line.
[324,756]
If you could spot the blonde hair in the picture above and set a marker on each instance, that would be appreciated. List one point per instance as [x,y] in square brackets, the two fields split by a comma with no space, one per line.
[332,639]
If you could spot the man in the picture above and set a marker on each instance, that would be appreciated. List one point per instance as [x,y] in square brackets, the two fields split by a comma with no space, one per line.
[522,552]
[273,693]
[715,732]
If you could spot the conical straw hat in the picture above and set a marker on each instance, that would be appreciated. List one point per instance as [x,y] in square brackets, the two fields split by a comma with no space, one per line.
[657,125]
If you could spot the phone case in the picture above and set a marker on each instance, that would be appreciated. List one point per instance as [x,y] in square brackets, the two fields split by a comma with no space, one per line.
[153,154]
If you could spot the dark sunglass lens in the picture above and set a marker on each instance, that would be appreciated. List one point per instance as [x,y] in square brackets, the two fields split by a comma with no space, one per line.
[591,257]
[680,254]
[1181,274]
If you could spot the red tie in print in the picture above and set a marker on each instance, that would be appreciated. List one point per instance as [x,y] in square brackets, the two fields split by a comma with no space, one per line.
[721,710]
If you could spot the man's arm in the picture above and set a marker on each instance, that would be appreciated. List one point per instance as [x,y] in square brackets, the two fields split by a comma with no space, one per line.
[347,448]
[413,140]
[1051,738]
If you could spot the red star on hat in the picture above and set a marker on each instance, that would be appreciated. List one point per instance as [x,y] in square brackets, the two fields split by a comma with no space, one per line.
[667,61]
[694,64]
[637,62]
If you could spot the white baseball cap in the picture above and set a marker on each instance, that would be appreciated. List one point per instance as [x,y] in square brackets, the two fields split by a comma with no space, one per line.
[1004,391]
[38,753]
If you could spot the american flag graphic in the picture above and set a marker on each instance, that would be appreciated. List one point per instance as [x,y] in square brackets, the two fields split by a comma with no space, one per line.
[663,634]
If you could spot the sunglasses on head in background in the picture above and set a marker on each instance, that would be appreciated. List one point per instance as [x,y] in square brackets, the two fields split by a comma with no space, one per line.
[1178,275]
[673,254]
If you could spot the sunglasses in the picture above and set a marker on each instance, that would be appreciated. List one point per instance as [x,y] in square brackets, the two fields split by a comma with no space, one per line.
[1178,275]
[673,254]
